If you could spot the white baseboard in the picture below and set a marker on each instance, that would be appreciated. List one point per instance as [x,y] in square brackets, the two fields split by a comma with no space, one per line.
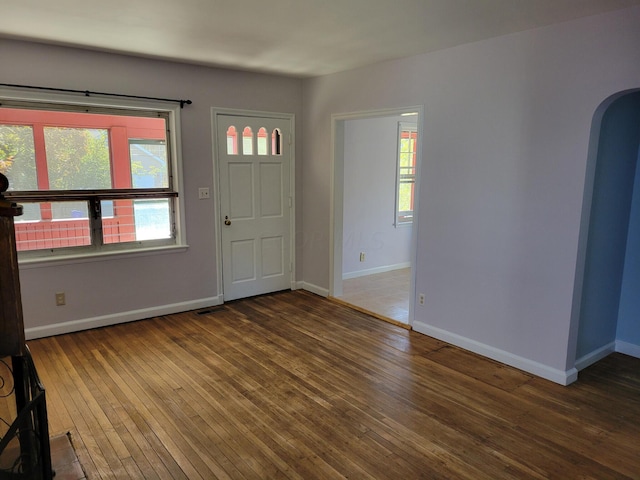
[563,377]
[133,315]
[628,348]
[592,357]
[372,271]
[122,317]
[600,353]
[310,287]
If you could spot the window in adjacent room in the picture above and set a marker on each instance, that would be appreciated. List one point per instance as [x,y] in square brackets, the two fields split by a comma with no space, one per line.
[406,172]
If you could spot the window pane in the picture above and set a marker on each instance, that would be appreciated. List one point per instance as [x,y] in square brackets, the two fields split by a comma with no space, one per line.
[149,168]
[77,158]
[67,210]
[276,142]
[405,197]
[262,141]
[247,141]
[47,233]
[17,157]
[30,211]
[232,141]
[106,208]
[153,219]
[136,220]
[118,221]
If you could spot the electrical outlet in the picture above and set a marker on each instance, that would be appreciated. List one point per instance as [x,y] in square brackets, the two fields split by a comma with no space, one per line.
[60,299]
[203,193]
[421,299]
[362,256]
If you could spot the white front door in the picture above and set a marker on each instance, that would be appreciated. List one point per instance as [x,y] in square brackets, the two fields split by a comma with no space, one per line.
[254,160]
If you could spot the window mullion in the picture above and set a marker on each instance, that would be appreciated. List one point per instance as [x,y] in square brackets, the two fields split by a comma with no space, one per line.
[95,222]
[174,228]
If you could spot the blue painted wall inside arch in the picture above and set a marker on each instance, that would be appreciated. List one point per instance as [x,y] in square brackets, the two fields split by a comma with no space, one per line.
[610,307]
[629,313]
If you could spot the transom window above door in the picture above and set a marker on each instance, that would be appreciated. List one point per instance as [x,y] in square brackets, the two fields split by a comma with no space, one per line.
[258,143]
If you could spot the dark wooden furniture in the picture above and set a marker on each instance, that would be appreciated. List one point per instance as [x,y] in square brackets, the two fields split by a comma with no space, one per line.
[12,339]
[24,443]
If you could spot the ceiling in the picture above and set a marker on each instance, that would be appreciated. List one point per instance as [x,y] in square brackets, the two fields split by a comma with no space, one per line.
[292,37]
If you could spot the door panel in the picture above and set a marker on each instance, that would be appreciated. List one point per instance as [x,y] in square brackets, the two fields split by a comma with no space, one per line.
[254,172]
[270,188]
[241,191]
[271,253]
[243,258]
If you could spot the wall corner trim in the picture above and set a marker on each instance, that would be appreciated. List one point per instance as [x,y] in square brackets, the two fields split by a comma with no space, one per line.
[562,377]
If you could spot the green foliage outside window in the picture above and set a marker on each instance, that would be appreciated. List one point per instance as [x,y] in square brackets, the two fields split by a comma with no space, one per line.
[17,157]
[77,158]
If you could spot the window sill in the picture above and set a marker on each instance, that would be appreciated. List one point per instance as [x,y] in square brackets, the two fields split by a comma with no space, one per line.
[28,263]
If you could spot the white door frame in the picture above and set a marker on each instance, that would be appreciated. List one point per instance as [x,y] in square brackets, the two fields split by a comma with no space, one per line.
[215,112]
[337,195]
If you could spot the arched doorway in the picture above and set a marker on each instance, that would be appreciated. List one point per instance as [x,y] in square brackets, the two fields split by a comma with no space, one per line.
[607,298]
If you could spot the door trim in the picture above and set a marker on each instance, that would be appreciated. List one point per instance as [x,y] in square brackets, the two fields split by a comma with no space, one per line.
[337,196]
[217,215]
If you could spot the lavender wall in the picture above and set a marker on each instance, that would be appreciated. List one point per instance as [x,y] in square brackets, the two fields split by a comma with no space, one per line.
[370,154]
[506,134]
[103,292]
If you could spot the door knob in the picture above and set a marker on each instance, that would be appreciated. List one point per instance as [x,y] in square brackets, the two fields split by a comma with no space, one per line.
[226,220]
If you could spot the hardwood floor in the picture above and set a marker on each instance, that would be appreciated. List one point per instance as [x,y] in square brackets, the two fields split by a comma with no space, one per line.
[384,294]
[294,386]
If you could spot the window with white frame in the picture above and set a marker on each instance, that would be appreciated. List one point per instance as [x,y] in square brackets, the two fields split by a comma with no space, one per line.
[406,172]
[90,179]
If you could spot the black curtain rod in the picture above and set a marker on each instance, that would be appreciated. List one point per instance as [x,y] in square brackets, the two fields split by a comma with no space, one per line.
[88,93]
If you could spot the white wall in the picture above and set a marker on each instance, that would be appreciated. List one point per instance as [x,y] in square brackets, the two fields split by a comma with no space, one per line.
[506,132]
[127,288]
[370,156]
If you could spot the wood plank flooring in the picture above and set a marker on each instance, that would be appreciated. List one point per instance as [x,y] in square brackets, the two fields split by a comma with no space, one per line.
[293,386]
[383,294]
